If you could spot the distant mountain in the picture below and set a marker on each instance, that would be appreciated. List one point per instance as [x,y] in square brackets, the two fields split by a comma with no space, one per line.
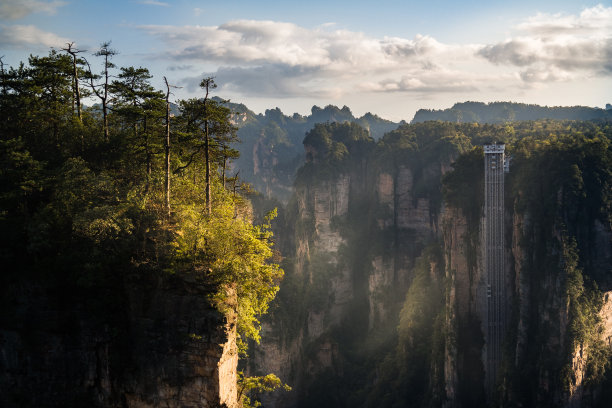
[271,150]
[500,112]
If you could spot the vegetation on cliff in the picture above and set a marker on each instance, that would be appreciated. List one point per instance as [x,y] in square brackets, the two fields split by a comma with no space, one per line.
[92,198]
[502,112]
[272,150]
[559,183]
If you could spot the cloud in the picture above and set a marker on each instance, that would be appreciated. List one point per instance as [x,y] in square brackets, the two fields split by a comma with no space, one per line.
[184,67]
[270,58]
[283,60]
[16,9]
[555,47]
[425,83]
[27,36]
[154,3]
[591,21]
[256,42]
[288,81]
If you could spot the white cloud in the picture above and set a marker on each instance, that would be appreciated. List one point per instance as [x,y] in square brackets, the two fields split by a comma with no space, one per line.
[16,9]
[28,36]
[288,82]
[255,42]
[558,47]
[281,60]
[284,60]
[594,21]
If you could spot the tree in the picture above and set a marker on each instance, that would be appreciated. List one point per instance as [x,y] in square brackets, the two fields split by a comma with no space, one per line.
[206,127]
[3,76]
[49,90]
[138,102]
[223,135]
[102,90]
[207,84]
[75,76]
[167,145]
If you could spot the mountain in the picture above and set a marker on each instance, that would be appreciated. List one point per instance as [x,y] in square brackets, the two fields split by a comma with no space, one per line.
[500,112]
[271,147]
[384,301]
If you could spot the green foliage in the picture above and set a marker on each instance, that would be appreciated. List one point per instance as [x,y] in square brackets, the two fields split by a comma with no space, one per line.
[232,253]
[250,387]
[411,374]
[502,112]
[84,212]
[463,188]
[332,148]
[584,327]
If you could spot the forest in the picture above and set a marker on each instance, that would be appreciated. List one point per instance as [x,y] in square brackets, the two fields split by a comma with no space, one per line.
[133,249]
[385,255]
[95,197]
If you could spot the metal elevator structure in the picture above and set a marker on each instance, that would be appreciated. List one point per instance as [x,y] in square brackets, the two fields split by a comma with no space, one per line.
[494,260]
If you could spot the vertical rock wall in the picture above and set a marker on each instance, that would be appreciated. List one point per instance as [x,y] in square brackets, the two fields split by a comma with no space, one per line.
[168,347]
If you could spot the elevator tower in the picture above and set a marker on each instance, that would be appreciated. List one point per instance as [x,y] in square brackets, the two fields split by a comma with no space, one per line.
[494,260]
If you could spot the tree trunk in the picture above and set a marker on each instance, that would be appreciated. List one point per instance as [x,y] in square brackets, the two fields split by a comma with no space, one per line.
[104,119]
[104,110]
[207,151]
[207,154]
[148,155]
[223,171]
[167,146]
[76,93]
[207,84]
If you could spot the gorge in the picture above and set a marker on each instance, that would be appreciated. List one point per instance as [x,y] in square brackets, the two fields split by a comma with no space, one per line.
[384,301]
[108,301]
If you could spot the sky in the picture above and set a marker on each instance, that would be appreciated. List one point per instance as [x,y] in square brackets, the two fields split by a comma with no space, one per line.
[387,57]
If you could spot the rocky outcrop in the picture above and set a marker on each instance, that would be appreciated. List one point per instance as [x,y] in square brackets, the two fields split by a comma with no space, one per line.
[325,249]
[465,311]
[361,227]
[539,300]
[166,345]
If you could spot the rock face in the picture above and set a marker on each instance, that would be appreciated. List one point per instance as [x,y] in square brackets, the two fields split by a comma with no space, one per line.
[348,329]
[356,248]
[540,342]
[165,346]
[373,278]
[465,313]
[271,150]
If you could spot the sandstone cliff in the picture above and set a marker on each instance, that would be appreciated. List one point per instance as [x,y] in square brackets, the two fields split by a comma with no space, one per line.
[356,237]
[162,344]
[370,315]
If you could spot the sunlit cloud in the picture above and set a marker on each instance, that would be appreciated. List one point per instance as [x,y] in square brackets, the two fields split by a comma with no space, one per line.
[286,60]
[12,36]
[16,9]
[556,47]
[594,21]
[280,59]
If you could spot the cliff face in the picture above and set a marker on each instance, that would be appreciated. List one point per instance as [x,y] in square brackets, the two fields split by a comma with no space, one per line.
[357,237]
[466,312]
[365,316]
[550,358]
[162,345]
[272,151]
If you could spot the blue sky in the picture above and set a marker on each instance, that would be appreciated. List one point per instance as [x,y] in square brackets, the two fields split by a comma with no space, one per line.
[388,57]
